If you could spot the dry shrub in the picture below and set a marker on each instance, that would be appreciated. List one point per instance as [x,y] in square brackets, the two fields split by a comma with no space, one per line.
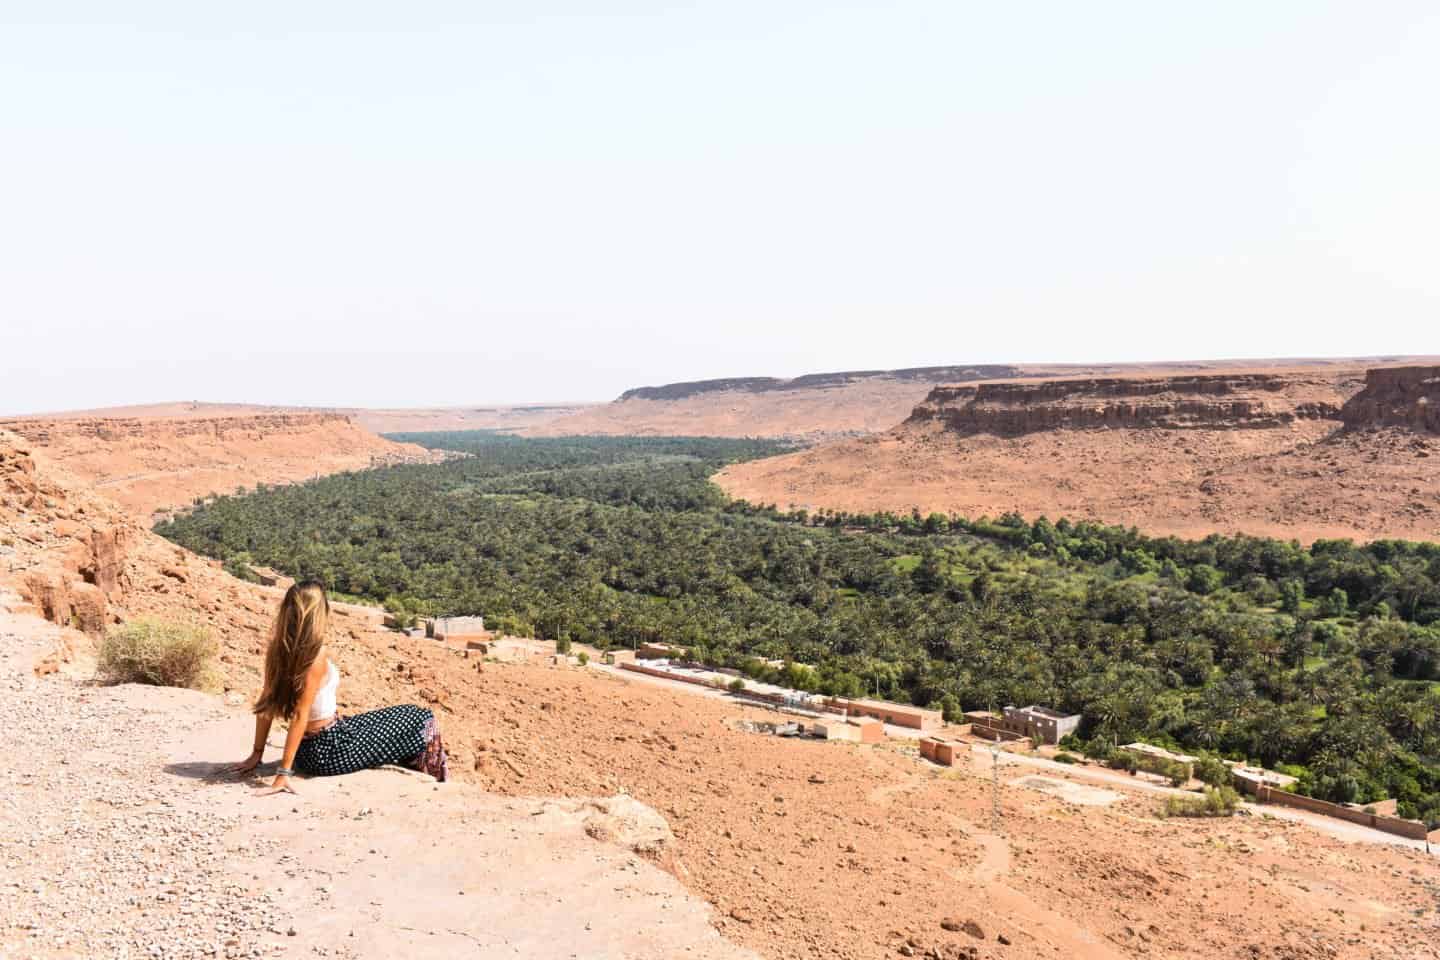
[1215,802]
[160,653]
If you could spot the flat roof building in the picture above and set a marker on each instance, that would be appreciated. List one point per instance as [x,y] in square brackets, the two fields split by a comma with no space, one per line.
[1038,723]
[855,730]
[1250,779]
[898,714]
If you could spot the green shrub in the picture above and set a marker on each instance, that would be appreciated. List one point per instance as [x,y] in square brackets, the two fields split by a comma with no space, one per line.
[1216,802]
[583,658]
[160,653]
[238,566]
[1065,758]
[1210,770]
[737,685]
[1122,761]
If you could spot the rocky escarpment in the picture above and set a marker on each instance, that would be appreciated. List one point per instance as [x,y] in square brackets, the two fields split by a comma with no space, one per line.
[1221,401]
[1396,397]
[109,429]
[944,374]
[152,463]
[64,553]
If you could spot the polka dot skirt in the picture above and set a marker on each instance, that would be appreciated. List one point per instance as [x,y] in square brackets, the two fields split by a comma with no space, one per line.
[405,735]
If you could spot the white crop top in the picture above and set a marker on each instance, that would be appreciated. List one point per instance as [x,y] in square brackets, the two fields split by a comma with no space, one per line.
[323,706]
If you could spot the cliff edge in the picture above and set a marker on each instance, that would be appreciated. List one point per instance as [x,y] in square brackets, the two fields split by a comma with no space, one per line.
[1212,401]
[1406,397]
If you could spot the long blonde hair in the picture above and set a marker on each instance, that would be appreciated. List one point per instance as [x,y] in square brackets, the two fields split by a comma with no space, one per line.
[295,642]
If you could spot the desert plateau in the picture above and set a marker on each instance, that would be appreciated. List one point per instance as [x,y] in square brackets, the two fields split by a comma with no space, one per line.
[1303,454]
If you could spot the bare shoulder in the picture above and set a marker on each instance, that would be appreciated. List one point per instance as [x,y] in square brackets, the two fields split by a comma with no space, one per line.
[319,667]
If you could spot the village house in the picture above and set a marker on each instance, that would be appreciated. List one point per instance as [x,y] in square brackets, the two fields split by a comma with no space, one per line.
[896,714]
[1040,724]
[853,729]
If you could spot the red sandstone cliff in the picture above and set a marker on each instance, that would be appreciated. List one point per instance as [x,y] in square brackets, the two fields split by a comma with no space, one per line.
[1220,401]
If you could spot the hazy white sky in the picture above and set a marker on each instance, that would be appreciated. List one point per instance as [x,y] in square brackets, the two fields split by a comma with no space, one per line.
[422,203]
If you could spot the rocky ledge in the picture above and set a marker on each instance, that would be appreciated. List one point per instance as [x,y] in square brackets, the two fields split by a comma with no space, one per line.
[1396,397]
[45,431]
[1221,401]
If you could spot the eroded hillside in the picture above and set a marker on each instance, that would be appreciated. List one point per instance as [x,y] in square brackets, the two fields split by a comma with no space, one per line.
[153,462]
[1300,454]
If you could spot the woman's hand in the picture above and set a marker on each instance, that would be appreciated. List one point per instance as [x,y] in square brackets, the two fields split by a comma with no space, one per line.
[281,784]
[249,763]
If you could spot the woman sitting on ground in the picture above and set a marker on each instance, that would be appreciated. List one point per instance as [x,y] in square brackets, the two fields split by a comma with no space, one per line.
[300,683]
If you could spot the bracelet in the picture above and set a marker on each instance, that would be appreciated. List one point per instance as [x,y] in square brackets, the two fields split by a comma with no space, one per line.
[284,772]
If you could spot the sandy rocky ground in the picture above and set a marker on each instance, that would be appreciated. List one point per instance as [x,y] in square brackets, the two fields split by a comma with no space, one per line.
[124,836]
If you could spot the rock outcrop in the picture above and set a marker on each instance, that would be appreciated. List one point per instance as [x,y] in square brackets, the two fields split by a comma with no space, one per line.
[65,551]
[1396,397]
[1221,401]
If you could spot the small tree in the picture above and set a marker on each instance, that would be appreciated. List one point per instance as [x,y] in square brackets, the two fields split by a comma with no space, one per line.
[1292,595]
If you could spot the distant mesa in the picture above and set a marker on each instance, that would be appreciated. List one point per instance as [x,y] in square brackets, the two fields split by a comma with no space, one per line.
[819,381]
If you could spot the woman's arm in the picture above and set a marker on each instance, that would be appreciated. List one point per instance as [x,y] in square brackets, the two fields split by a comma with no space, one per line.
[262,734]
[313,678]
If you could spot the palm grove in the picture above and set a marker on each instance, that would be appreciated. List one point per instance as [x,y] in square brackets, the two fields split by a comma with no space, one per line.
[1324,661]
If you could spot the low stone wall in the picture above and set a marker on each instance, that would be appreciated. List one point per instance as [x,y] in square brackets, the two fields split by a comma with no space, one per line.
[1413,829]
[943,752]
[665,674]
[989,732]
